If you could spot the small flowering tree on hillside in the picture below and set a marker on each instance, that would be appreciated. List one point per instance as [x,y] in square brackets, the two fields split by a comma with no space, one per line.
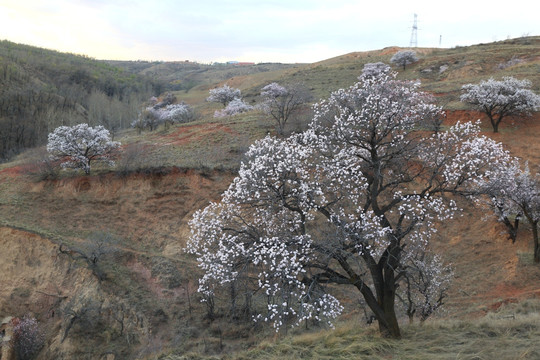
[236,106]
[375,69]
[500,99]
[282,102]
[352,201]
[404,58]
[524,195]
[80,145]
[168,114]
[224,95]
[176,114]
[426,284]
[513,192]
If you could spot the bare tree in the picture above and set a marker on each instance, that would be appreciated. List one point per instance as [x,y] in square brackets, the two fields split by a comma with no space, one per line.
[281,102]
[82,314]
[92,252]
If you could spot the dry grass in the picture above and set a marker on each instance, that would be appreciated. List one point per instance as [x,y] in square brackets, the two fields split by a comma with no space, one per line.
[511,333]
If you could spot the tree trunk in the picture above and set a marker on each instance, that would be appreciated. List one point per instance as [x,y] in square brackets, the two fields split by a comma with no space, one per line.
[383,308]
[511,229]
[494,122]
[535,239]
[534,224]
[233,300]
[390,327]
[495,125]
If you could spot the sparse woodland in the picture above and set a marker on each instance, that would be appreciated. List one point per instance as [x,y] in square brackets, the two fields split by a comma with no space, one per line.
[43,89]
[344,209]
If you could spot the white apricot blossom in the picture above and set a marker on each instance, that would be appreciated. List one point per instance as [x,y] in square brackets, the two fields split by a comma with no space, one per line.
[80,145]
[224,94]
[234,107]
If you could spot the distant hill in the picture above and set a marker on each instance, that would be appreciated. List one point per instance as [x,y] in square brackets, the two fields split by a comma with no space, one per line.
[41,89]
[441,71]
[185,75]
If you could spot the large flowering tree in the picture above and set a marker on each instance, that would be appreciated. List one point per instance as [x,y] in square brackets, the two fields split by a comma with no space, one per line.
[500,99]
[80,145]
[352,201]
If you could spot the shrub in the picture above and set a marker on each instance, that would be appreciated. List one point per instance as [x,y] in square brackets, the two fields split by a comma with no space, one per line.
[27,338]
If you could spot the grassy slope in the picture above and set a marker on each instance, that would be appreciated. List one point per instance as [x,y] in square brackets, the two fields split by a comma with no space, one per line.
[441,71]
[149,213]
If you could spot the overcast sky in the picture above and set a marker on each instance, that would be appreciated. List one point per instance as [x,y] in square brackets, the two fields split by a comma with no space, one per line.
[257,30]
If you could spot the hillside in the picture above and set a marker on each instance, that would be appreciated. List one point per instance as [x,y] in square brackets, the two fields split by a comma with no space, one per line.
[183,76]
[140,300]
[41,89]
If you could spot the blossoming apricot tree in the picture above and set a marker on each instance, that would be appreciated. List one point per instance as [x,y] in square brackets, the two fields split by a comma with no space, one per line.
[513,192]
[500,99]
[234,107]
[224,95]
[351,201]
[404,58]
[80,145]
